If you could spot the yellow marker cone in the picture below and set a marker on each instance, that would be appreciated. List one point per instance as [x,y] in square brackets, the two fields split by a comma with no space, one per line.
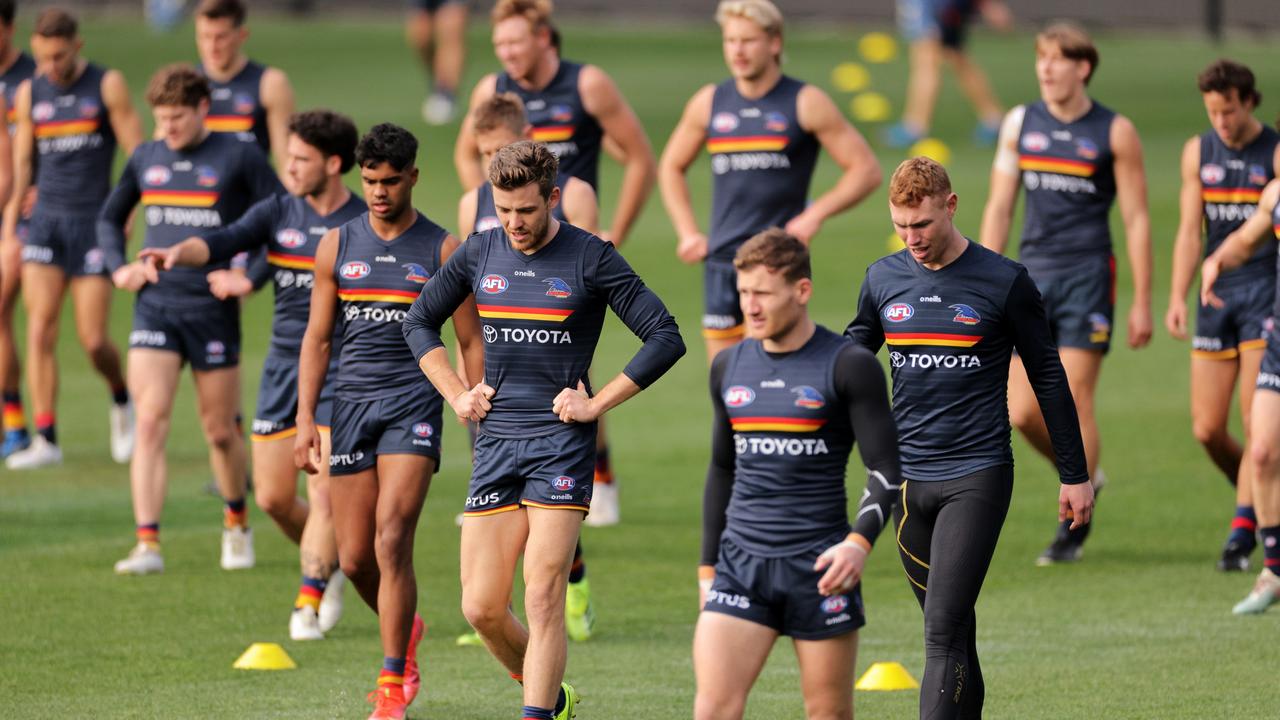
[932,148]
[894,243]
[887,676]
[850,77]
[265,656]
[870,107]
[878,47]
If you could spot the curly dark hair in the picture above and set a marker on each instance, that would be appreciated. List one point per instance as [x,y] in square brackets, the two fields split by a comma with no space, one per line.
[329,132]
[387,143]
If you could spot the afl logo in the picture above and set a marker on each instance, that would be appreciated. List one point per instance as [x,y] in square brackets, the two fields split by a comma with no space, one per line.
[739,396]
[1212,174]
[355,270]
[494,284]
[561,113]
[291,239]
[157,175]
[423,430]
[899,312]
[42,111]
[1035,141]
[215,348]
[243,104]
[564,483]
[835,604]
[724,122]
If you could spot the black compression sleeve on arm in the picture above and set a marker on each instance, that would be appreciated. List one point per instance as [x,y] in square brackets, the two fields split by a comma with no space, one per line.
[642,312]
[250,232]
[437,301]
[719,487]
[865,328]
[115,213]
[860,385]
[1025,315]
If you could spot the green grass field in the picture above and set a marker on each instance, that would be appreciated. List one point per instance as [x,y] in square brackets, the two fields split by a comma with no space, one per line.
[1141,629]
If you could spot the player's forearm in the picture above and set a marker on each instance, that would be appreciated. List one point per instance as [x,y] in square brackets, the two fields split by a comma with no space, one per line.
[472,357]
[1138,234]
[715,505]
[1186,260]
[637,183]
[467,162]
[996,219]
[854,186]
[675,197]
[313,364]
[435,365]
[112,241]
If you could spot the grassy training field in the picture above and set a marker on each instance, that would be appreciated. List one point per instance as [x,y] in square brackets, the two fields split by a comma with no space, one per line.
[1141,629]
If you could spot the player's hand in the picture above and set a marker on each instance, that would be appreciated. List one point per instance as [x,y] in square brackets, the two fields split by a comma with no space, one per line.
[997,15]
[692,248]
[306,447]
[130,277]
[28,203]
[575,405]
[1140,325]
[225,284]
[804,227]
[1175,319]
[1210,270]
[153,260]
[843,563]
[1075,503]
[706,577]
[473,405]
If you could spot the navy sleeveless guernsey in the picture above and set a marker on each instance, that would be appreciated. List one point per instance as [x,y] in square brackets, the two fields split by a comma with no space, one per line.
[761,164]
[236,106]
[560,120]
[22,69]
[377,282]
[1231,184]
[1069,175]
[792,439]
[75,144]
[487,216]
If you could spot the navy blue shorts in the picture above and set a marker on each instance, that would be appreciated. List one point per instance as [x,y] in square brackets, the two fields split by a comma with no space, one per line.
[551,471]
[1081,305]
[782,593]
[69,243]
[721,312]
[405,424]
[1221,333]
[1269,373]
[276,416]
[433,5]
[208,337]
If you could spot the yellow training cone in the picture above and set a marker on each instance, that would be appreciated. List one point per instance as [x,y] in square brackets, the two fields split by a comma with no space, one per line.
[887,676]
[878,47]
[850,77]
[870,107]
[894,243]
[932,148]
[265,656]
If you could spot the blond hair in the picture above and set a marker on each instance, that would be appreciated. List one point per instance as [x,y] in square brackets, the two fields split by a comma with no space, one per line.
[1073,42]
[537,12]
[761,12]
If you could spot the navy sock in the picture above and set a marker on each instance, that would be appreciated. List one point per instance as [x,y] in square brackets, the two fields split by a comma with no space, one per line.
[1243,526]
[561,699]
[120,395]
[578,570]
[536,713]
[1271,548]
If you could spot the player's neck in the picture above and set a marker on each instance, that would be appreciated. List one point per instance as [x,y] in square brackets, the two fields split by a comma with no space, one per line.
[81,66]
[956,245]
[232,70]
[542,75]
[334,196]
[757,87]
[196,141]
[9,57]
[793,339]
[1071,109]
[1249,135]
[388,230]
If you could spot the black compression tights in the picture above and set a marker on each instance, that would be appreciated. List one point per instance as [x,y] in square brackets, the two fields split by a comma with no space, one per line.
[947,533]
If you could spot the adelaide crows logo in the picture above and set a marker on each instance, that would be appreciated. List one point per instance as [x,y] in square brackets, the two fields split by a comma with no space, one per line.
[966,315]
[807,397]
[558,288]
[417,273]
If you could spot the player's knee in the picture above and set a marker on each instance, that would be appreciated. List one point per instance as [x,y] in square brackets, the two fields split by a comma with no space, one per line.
[709,704]
[393,544]
[42,333]
[358,565]
[150,428]
[277,503]
[485,614]
[1208,434]
[1265,458]
[543,600]
[945,629]
[828,708]
[1023,417]
[221,436]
